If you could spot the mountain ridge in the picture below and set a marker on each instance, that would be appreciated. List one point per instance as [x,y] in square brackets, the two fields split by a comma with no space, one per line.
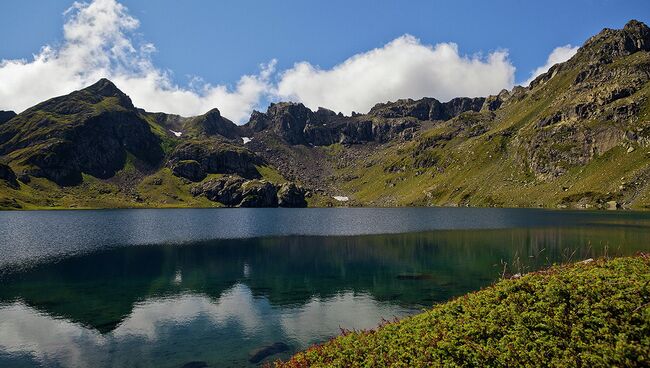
[551,144]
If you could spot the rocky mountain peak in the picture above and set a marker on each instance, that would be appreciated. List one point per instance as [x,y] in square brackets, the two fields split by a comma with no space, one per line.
[6,116]
[213,114]
[212,123]
[613,43]
[106,88]
[602,49]
[427,108]
[636,26]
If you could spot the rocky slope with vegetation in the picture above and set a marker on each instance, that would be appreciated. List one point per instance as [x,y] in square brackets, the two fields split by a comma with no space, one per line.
[578,136]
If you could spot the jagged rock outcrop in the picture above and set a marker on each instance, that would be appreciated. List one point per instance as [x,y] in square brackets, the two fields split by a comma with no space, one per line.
[610,44]
[427,108]
[188,169]
[211,123]
[214,156]
[8,176]
[6,116]
[286,119]
[291,195]
[297,124]
[234,191]
[258,193]
[226,190]
[171,122]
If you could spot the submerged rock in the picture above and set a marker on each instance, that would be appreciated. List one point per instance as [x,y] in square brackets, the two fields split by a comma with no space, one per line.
[260,354]
[195,364]
[414,276]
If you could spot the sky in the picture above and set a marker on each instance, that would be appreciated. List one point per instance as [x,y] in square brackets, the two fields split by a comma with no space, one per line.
[187,57]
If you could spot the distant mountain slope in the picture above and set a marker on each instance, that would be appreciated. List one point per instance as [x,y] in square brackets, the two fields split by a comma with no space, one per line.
[89,131]
[578,136]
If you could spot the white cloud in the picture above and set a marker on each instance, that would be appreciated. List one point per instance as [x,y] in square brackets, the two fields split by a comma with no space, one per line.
[558,55]
[403,68]
[97,43]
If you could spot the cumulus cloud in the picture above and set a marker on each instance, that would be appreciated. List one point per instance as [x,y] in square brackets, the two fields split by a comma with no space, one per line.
[558,55]
[98,43]
[403,68]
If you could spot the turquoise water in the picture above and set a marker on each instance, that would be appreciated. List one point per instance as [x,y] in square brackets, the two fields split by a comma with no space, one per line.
[174,288]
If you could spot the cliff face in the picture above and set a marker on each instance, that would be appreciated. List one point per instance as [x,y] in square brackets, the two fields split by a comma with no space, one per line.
[577,136]
[296,124]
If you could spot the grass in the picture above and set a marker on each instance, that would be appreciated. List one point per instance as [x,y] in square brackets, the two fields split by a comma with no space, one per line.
[270,174]
[592,314]
[492,169]
[476,159]
[159,190]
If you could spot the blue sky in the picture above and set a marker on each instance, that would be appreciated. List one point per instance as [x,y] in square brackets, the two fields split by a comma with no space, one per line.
[220,41]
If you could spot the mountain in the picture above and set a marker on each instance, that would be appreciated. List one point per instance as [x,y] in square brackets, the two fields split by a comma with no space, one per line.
[578,136]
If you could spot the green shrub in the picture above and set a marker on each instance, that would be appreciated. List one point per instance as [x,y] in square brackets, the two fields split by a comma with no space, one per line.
[594,314]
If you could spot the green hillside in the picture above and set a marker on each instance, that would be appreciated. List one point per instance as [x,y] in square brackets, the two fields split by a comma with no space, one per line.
[577,137]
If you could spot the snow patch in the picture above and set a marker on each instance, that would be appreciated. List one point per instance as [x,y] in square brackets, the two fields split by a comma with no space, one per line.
[341,198]
[178,134]
[246,139]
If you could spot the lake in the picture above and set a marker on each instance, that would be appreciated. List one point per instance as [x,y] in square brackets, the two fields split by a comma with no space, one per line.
[211,287]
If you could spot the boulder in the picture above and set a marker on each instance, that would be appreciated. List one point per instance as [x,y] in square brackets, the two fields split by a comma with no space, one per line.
[259,193]
[24,177]
[262,353]
[234,191]
[8,176]
[291,195]
[195,364]
[189,169]
[218,157]
[226,190]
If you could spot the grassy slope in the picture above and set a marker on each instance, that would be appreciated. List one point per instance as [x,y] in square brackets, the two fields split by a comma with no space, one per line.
[489,170]
[593,315]
[157,190]
[130,188]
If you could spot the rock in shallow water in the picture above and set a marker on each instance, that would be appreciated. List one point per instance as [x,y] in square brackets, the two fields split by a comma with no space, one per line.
[260,354]
[414,276]
[195,364]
